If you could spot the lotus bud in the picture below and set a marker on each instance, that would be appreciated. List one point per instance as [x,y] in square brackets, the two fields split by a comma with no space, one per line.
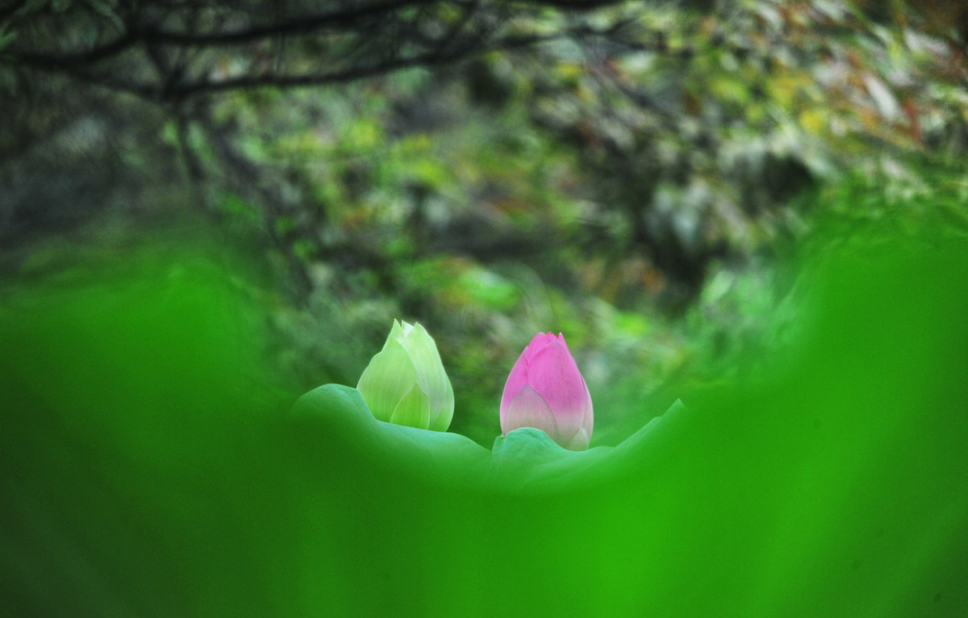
[405,383]
[546,391]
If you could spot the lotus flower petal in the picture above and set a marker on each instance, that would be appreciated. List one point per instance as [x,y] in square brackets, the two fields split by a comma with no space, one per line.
[529,409]
[546,379]
[405,383]
[553,373]
[432,379]
[413,410]
[387,379]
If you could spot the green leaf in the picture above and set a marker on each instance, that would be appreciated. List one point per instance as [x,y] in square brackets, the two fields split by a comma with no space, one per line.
[836,484]
[340,415]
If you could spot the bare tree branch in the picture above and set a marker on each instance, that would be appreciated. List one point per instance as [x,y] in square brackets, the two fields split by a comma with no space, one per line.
[349,18]
[366,40]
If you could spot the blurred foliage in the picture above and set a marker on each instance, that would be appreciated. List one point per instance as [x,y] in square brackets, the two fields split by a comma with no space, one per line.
[637,177]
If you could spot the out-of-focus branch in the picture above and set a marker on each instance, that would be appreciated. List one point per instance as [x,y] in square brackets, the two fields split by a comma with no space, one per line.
[137,33]
[428,59]
[389,35]
[7,11]
[308,24]
[451,47]
[47,61]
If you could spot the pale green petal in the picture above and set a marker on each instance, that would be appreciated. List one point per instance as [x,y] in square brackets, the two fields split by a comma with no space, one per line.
[442,411]
[579,442]
[387,379]
[423,353]
[431,375]
[396,333]
[413,410]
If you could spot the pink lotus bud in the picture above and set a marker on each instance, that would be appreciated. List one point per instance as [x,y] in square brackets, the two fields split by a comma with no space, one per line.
[546,391]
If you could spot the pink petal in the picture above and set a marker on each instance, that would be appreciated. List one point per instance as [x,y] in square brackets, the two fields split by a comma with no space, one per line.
[519,373]
[547,380]
[553,373]
[528,409]
[516,379]
[538,343]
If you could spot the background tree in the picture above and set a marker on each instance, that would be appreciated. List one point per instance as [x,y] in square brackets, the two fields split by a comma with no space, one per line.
[493,168]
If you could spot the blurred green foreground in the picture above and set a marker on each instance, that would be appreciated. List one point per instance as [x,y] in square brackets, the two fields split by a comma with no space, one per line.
[145,473]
